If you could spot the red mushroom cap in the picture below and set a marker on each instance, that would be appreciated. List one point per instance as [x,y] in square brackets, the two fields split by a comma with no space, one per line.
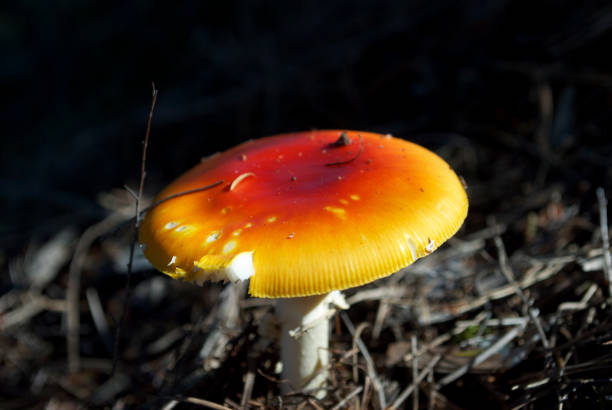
[306,213]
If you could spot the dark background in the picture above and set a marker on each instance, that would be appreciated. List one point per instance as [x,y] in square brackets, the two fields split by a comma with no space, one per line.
[76,86]
[516,96]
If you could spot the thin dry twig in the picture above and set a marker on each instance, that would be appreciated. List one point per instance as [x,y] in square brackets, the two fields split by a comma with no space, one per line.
[378,293]
[494,348]
[605,238]
[415,372]
[179,194]
[540,273]
[74,284]
[20,315]
[143,162]
[432,391]
[507,271]
[443,338]
[349,396]
[231,403]
[357,335]
[314,404]
[98,316]
[408,391]
[381,313]
[367,393]
[344,162]
[49,259]
[369,362]
[32,304]
[170,197]
[126,299]
[583,304]
[249,382]
[199,402]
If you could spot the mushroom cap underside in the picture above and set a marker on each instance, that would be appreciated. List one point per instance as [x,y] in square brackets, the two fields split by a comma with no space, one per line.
[305,213]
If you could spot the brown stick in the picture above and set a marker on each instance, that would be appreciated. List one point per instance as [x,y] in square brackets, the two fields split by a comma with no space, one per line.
[135,237]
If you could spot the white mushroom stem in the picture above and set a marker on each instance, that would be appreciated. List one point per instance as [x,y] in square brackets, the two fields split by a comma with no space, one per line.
[304,341]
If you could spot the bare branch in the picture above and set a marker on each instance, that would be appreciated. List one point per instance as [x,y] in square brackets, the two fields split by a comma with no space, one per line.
[605,238]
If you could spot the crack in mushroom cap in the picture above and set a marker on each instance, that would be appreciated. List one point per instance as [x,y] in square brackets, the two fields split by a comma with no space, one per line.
[310,218]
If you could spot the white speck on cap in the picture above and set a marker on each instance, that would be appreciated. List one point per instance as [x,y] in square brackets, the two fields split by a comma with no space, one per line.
[213,236]
[239,179]
[171,225]
[431,245]
[412,247]
[241,267]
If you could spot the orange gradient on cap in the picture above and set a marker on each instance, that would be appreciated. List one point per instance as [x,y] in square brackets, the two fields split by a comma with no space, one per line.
[317,216]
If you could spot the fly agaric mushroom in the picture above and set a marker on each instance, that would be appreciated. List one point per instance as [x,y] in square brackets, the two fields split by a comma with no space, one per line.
[303,216]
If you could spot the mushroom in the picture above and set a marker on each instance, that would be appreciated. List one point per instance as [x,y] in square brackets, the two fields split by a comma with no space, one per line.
[303,216]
